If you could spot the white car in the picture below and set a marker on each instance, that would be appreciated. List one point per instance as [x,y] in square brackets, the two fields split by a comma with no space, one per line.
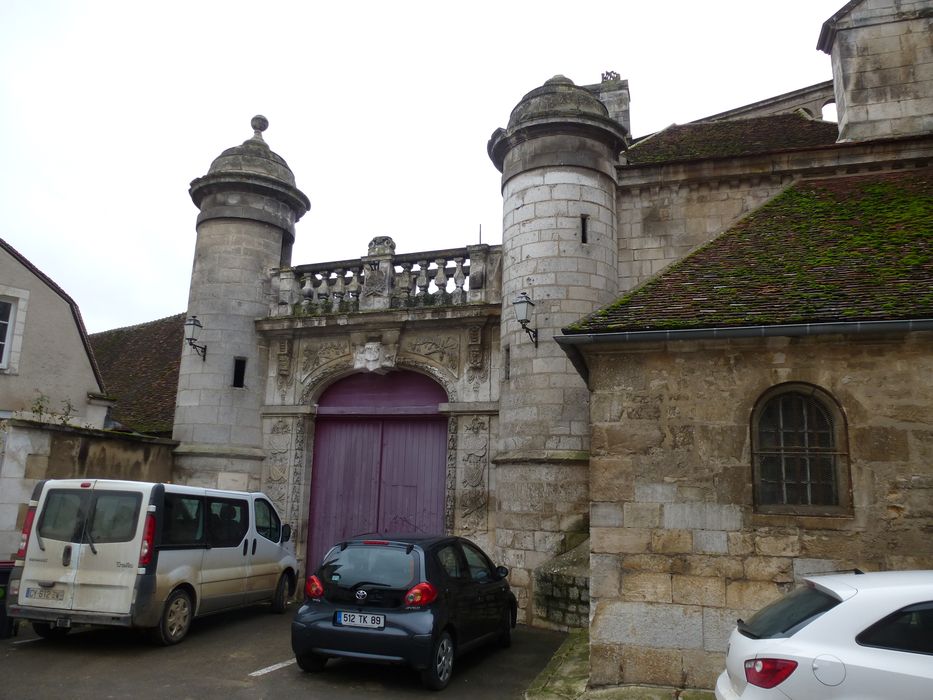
[858,636]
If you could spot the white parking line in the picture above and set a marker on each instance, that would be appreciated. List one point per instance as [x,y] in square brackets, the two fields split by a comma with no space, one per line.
[273,667]
[28,641]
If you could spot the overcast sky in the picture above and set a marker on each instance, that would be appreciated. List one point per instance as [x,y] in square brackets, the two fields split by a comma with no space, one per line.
[382,110]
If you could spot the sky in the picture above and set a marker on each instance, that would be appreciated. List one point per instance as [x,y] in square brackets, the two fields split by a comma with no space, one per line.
[108,110]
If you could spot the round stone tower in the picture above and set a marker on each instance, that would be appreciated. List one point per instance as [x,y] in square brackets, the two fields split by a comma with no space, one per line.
[248,205]
[557,157]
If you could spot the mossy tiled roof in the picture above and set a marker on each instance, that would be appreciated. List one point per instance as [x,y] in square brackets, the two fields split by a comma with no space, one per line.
[841,249]
[140,368]
[738,137]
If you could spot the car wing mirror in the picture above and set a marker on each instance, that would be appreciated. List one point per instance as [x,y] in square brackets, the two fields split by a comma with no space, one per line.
[286,532]
[502,571]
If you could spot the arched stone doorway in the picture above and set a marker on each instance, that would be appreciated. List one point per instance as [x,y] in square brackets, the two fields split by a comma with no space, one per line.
[380,454]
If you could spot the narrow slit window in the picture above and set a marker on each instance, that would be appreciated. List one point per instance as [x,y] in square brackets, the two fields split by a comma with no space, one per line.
[583,227]
[507,361]
[239,372]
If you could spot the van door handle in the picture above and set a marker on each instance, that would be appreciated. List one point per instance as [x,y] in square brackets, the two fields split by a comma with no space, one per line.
[66,555]
[254,546]
[245,545]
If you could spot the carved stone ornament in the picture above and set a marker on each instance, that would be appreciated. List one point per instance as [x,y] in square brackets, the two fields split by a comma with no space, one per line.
[373,356]
[318,354]
[444,351]
[381,245]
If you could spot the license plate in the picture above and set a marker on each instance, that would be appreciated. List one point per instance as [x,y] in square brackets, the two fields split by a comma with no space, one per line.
[45,593]
[353,619]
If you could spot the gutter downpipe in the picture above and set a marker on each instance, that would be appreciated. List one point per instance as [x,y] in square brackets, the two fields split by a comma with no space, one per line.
[571,343]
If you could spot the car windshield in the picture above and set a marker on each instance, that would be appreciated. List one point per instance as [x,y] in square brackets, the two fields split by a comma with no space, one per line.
[785,616]
[379,565]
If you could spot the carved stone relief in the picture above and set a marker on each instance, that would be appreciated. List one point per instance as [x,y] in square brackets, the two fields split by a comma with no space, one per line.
[444,350]
[477,363]
[450,490]
[278,444]
[283,365]
[318,354]
[474,474]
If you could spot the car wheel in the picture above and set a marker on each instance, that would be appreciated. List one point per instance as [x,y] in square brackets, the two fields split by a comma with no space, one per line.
[280,597]
[505,633]
[49,631]
[311,663]
[176,619]
[437,675]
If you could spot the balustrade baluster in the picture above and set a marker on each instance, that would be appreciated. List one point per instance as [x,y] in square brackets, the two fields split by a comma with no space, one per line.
[353,288]
[404,280]
[440,279]
[459,295]
[423,280]
[338,290]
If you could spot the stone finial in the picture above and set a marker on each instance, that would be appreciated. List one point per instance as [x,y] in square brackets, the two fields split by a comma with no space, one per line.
[610,76]
[381,245]
[259,124]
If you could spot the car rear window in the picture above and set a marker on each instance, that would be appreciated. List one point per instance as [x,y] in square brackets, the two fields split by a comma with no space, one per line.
[789,614]
[388,566]
[76,515]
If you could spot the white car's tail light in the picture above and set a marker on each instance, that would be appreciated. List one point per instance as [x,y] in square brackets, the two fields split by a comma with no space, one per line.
[768,673]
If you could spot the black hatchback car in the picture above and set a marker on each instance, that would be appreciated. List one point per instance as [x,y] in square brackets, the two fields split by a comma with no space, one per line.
[407,599]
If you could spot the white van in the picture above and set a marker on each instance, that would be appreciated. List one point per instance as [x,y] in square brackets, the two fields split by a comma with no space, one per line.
[145,555]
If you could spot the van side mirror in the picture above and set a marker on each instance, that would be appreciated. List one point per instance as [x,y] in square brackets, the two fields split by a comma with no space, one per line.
[286,532]
[502,571]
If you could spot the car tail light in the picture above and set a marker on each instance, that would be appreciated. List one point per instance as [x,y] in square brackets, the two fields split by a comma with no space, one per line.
[27,530]
[313,587]
[422,594]
[767,673]
[146,548]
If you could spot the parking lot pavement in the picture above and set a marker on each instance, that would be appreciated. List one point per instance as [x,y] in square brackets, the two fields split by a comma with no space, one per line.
[243,654]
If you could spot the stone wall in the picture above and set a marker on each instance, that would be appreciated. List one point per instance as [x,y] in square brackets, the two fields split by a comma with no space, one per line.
[883,69]
[660,224]
[562,590]
[678,551]
[540,513]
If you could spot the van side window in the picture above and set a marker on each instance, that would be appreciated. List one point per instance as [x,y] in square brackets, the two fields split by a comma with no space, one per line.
[267,521]
[228,521]
[115,516]
[183,522]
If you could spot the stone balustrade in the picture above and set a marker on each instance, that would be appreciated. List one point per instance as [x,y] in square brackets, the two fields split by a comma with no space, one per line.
[383,280]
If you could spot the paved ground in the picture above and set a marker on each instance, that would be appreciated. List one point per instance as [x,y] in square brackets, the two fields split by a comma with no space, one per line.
[244,654]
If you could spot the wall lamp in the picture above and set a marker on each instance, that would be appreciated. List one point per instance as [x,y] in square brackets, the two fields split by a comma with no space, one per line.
[192,330]
[523,305]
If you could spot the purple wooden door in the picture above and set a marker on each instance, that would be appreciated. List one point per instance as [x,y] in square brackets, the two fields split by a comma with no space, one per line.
[380,454]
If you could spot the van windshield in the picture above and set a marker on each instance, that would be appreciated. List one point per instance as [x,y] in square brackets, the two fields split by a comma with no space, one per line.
[77,515]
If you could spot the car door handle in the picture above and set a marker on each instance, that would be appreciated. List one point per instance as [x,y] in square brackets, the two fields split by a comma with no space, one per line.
[245,545]
[254,546]
[66,555]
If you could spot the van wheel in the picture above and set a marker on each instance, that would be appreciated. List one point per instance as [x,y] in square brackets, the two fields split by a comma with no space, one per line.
[176,619]
[437,675]
[49,631]
[280,597]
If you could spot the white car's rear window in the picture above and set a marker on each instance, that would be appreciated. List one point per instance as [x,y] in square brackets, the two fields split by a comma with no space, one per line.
[787,615]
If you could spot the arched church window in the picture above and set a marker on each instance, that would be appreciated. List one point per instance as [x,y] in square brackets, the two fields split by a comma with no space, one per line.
[800,460]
